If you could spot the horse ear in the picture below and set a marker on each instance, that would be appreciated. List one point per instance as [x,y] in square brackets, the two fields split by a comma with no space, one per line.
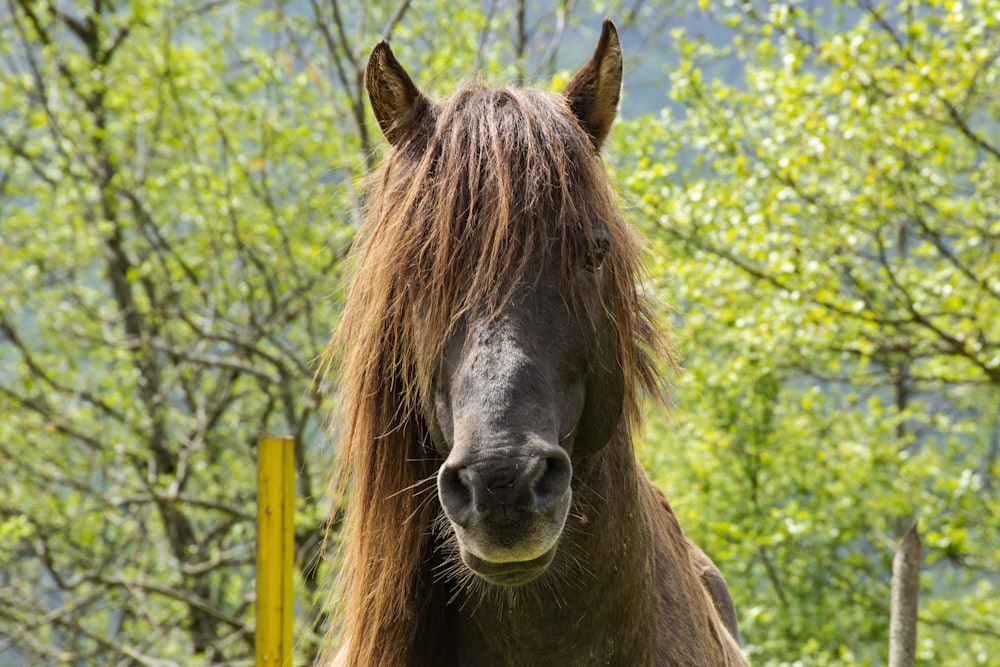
[397,102]
[594,92]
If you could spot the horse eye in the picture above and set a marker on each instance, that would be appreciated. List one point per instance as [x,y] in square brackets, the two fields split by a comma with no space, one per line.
[597,255]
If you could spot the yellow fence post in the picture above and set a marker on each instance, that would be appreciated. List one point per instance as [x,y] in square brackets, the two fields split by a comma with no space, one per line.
[275,551]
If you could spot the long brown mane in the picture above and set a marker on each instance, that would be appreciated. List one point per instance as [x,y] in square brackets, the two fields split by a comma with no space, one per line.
[494,184]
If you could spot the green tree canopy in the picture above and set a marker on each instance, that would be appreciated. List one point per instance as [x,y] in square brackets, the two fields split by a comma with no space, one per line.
[828,226]
[179,182]
[168,252]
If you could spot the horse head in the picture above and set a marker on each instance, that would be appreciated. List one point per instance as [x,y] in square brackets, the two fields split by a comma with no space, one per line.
[517,228]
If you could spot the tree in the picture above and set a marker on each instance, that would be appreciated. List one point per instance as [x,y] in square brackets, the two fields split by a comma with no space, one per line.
[165,196]
[831,233]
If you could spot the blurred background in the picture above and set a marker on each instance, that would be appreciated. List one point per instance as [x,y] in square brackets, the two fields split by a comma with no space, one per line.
[818,183]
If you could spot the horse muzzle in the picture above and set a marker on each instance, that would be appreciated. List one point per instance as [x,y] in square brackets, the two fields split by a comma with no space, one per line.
[507,509]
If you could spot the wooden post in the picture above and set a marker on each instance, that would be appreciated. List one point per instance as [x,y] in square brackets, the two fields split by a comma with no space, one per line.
[904,594]
[275,551]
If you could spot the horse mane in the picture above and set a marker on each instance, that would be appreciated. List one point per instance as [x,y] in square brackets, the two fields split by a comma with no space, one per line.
[488,187]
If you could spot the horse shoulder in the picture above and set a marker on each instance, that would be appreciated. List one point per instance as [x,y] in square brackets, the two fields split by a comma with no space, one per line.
[723,624]
[711,578]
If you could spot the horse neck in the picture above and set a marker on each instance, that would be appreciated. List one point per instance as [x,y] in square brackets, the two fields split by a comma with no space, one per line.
[599,580]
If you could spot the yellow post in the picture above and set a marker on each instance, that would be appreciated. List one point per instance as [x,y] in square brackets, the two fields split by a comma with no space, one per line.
[275,551]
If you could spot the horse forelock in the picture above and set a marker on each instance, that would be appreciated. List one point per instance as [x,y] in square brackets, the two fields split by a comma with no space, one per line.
[495,185]
[502,186]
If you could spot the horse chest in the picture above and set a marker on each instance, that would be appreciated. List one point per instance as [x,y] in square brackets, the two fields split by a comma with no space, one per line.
[606,628]
[506,648]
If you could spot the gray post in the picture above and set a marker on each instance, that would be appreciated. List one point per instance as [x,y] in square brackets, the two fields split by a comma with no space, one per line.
[904,594]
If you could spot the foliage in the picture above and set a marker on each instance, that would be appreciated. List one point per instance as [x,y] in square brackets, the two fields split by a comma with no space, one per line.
[166,191]
[179,182]
[828,227]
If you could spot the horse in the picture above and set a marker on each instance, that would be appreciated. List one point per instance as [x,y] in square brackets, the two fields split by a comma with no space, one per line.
[494,346]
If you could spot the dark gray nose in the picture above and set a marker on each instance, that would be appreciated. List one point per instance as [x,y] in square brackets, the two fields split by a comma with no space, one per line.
[503,490]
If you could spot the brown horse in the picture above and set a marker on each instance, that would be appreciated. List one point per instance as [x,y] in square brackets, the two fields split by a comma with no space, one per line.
[494,344]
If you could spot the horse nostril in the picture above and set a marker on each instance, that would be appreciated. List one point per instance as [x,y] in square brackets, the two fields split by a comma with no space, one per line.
[551,480]
[456,493]
[503,490]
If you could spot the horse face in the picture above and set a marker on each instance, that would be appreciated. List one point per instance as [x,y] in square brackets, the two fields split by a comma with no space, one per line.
[521,395]
[527,389]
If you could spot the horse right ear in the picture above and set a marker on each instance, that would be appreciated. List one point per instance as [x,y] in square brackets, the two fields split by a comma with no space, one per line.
[397,102]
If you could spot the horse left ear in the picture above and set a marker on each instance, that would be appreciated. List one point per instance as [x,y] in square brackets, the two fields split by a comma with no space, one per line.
[396,101]
[594,92]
